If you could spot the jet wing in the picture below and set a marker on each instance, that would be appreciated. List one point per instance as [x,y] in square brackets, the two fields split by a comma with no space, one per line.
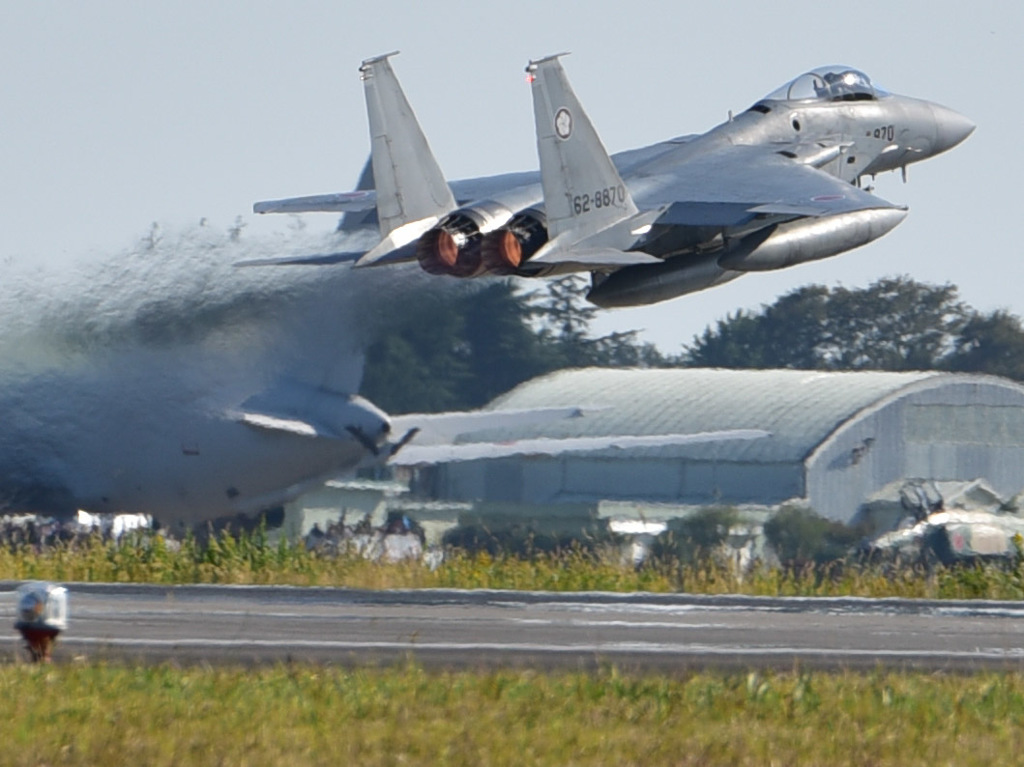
[339,202]
[419,455]
[308,412]
[319,259]
[734,184]
[443,428]
[715,189]
[361,200]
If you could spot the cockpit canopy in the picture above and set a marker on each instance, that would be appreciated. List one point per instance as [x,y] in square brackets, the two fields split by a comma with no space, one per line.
[832,83]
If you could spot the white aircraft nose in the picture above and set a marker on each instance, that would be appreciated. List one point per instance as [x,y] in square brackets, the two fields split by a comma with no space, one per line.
[950,128]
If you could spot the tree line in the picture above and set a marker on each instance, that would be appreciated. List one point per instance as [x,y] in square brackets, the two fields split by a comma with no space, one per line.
[460,352]
[895,323]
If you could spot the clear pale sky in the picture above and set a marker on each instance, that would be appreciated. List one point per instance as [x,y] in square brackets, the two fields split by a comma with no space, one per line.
[117,114]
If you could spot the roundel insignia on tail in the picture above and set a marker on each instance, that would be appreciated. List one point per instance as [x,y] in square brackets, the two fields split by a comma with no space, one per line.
[563,123]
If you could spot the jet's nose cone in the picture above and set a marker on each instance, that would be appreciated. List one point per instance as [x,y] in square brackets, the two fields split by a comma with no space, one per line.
[950,128]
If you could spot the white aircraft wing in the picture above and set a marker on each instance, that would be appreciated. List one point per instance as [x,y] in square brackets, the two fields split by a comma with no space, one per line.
[420,455]
[443,428]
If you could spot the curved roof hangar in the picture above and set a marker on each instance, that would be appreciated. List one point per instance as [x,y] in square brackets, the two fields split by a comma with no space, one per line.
[800,408]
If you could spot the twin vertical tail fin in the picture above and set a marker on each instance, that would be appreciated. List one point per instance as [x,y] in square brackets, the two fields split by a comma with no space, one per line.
[353,221]
[401,185]
[592,221]
[412,193]
[583,192]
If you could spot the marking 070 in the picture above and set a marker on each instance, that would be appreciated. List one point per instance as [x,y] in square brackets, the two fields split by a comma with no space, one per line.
[608,197]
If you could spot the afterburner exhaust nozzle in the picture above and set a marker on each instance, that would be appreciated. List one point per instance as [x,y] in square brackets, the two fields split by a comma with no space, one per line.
[501,251]
[467,244]
[440,252]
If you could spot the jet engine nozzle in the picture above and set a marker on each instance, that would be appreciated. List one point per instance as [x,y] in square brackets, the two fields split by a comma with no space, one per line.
[449,250]
[504,250]
[501,252]
[453,246]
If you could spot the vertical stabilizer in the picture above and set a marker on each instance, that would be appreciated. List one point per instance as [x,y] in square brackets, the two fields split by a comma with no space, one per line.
[583,192]
[410,185]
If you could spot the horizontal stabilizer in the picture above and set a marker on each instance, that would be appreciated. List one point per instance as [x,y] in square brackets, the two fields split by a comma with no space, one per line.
[400,238]
[340,202]
[315,260]
[416,455]
[384,257]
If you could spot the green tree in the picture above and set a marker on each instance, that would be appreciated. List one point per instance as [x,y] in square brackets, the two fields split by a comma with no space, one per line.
[562,319]
[789,333]
[422,362]
[461,351]
[504,348]
[893,324]
[990,343]
[694,538]
[800,537]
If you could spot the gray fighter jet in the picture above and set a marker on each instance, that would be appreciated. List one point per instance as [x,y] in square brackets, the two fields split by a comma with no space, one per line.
[780,184]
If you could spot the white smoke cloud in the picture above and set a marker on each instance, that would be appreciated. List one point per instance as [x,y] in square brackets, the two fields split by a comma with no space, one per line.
[131,353]
[178,294]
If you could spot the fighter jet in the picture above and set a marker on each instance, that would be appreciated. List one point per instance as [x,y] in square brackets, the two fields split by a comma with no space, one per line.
[777,185]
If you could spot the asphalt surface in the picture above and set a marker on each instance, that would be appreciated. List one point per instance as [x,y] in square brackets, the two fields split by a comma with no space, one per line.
[490,629]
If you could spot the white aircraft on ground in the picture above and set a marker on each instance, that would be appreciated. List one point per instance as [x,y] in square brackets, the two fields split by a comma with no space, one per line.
[168,382]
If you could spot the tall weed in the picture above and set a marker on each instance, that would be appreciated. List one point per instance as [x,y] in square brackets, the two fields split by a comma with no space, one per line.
[249,558]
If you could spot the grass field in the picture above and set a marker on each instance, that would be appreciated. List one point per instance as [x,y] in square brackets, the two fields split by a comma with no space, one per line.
[108,714]
[82,713]
[249,559]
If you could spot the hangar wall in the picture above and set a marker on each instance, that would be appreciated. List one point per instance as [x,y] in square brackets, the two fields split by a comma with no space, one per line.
[950,429]
[838,439]
[574,479]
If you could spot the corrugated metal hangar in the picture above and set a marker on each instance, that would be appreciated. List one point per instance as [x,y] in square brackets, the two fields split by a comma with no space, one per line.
[836,438]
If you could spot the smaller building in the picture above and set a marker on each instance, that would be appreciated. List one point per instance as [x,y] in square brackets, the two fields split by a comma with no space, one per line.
[355,502]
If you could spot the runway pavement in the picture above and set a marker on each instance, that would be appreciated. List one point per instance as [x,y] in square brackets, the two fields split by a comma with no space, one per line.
[450,628]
